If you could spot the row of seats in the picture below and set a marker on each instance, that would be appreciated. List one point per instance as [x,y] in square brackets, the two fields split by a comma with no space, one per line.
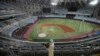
[8,10]
[58,48]
[11,25]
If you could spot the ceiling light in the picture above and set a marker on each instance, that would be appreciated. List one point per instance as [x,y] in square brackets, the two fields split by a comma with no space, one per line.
[54,2]
[94,2]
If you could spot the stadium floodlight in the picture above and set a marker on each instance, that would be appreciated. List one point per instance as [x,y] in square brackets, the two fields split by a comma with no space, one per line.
[94,2]
[54,2]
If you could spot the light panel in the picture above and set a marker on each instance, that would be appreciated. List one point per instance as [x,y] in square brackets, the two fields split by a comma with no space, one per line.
[94,2]
[54,2]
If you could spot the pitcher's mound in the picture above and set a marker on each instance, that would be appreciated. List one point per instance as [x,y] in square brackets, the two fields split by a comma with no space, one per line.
[42,35]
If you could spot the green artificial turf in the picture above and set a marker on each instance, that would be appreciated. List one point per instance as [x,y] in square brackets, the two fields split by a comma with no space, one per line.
[57,33]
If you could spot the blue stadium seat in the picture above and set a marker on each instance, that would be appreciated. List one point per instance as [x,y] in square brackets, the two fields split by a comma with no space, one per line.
[98,32]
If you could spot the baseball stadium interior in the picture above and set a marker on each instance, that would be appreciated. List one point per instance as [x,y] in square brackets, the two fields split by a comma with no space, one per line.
[49,27]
